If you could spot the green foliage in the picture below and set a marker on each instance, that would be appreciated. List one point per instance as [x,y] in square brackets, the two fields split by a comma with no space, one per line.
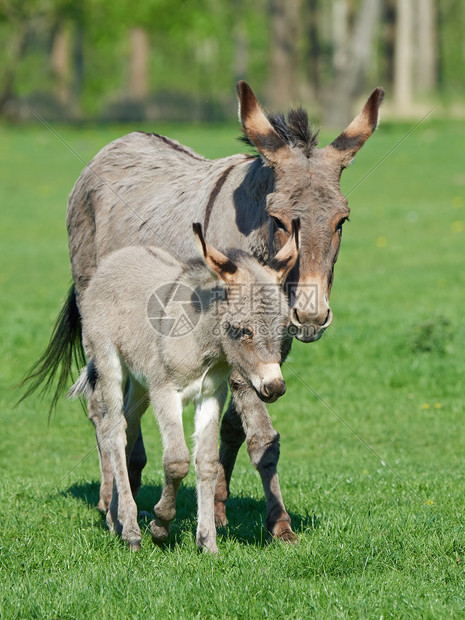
[431,335]
[194,47]
[381,530]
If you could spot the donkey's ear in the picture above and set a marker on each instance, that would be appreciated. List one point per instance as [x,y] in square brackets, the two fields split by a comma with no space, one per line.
[215,260]
[287,256]
[345,147]
[259,129]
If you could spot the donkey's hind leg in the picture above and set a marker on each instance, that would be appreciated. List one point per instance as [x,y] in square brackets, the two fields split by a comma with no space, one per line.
[136,401]
[176,459]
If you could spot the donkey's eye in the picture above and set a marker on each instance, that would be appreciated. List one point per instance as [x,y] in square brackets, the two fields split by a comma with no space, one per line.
[341,222]
[279,224]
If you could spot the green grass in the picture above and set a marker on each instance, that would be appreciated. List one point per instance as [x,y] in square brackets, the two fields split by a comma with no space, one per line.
[373,477]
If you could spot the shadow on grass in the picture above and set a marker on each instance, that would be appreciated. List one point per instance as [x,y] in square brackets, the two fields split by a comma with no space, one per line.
[246,516]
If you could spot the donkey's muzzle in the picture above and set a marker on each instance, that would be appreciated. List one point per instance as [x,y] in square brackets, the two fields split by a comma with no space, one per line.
[309,328]
[272,390]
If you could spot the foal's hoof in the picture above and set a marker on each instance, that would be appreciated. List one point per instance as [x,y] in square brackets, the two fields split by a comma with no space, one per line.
[134,545]
[209,550]
[220,514]
[160,532]
[282,531]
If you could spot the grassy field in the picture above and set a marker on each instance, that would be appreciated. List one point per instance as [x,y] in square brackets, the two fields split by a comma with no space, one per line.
[372,426]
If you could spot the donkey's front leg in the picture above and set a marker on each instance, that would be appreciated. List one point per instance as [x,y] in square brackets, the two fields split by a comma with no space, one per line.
[176,459]
[263,448]
[207,415]
[232,437]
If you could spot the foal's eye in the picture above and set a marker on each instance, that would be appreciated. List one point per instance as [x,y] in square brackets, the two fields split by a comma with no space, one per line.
[279,224]
[247,332]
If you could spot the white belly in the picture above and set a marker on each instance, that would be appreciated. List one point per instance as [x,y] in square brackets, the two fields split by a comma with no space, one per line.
[206,385]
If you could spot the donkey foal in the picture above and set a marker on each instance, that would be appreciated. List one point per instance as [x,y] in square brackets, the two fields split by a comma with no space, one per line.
[175,331]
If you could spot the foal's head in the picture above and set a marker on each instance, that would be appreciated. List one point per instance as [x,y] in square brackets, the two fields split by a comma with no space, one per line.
[307,186]
[253,312]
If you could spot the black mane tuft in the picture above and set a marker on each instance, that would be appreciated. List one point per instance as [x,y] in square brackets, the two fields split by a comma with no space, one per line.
[294,129]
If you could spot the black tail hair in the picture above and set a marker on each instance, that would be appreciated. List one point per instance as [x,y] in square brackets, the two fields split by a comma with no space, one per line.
[64,349]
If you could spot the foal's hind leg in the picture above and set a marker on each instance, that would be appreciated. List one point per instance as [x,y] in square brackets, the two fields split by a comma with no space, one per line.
[263,448]
[176,459]
[95,414]
[122,514]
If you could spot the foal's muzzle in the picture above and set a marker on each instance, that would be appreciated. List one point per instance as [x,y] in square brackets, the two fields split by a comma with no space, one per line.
[271,391]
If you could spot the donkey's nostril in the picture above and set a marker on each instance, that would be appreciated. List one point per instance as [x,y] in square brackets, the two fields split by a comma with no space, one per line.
[329,318]
[296,316]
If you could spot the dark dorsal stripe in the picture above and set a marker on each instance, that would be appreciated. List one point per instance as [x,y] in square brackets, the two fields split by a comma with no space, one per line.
[215,191]
[174,145]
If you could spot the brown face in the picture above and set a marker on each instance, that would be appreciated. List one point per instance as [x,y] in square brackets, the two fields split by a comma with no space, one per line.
[322,210]
[307,186]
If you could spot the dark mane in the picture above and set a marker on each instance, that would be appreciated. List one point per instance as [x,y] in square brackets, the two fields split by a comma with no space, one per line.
[294,129]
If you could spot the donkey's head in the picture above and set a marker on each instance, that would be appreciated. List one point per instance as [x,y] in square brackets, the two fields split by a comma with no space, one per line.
[307,186]
[253,313]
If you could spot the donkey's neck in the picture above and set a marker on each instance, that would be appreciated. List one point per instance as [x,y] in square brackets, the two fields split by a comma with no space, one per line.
[239,218]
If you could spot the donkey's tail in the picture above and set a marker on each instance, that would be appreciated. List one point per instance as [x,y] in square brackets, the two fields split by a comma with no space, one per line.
[64,349]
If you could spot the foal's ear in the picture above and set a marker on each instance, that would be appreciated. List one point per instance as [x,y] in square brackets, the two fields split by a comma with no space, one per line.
[215,260]
[287,256]
[345,147]
[259,129]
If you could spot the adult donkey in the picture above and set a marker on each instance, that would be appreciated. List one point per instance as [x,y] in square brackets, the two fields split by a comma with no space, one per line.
[144,189]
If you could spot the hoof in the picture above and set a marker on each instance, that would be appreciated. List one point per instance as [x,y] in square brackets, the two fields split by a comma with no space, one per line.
[283,531]
[220,514]
[213,550]
[160,532]
[134,545]
[104,504]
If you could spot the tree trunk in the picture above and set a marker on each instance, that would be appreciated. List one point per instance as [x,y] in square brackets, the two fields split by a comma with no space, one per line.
[426,68]
[16,48]
[340,34]
[403,65]
[313,55]
[139,60]
[350,75]
[241,51]
[284,28]
[389,42]
[60,63]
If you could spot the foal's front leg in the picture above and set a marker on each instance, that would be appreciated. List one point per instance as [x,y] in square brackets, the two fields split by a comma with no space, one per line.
[176,459]
[207,416]
[247,409]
